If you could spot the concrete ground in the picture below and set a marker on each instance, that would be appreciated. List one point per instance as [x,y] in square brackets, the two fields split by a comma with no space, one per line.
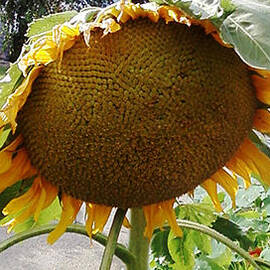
[70,252]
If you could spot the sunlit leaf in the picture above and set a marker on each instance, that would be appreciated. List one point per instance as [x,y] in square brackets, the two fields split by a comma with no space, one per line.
[181,250]
[200,213]
[247,29]
[46,23]
[221,254]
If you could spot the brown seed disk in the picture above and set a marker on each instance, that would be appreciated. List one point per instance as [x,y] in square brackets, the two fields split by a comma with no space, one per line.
[141,116]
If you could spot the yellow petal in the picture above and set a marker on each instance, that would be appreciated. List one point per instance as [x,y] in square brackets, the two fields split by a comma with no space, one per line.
[239,167]
[126,223]
[21,202]
[228,182]
[157,214]
[211,187]
[262,85]
[168,211]
[5,161]
[257,161]
[97,217]
[70,208]
[261,121]
[16,100]
[20,169]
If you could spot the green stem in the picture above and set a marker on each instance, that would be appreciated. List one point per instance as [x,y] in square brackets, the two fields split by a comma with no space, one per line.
[219,237]
[121,251]
[138,244]
[112,239]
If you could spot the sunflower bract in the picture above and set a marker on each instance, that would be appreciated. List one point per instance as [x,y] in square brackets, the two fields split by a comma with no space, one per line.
[138,117]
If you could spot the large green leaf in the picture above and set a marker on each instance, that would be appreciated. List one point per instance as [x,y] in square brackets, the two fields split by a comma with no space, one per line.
[46,23]
[181,250]
[200,213]
[232,231]
[247,29]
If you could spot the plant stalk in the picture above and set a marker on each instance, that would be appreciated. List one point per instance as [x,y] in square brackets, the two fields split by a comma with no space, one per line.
[138,244]
[112,239]
[121,251]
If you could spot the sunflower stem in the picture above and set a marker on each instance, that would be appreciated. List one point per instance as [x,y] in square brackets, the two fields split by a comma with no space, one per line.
[221,238]
[121,251]
[112,239]
[138,244]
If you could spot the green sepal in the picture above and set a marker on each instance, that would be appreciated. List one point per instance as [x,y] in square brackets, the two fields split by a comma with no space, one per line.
[46,23]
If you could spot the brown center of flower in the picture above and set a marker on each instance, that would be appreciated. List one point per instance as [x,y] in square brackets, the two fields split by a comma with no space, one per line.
[142,115]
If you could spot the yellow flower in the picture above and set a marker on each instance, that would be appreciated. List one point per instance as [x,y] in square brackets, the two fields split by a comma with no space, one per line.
[133,109]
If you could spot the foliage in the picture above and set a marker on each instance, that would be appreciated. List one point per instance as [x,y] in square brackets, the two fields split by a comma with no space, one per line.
[248,225]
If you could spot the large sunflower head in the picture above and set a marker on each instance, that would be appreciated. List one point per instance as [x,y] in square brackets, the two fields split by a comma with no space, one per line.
[130,106]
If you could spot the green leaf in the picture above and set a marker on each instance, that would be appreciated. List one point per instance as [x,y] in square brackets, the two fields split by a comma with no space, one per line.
[52,212]
[159,246]
[9,83]
[181,250]
[221,254]
[205,263]
[245,198]
[7,195]
[202,241]
[247,29]
[201,213]
[46,23]
[249,214]
[4,136]
[86,15]
[231,230]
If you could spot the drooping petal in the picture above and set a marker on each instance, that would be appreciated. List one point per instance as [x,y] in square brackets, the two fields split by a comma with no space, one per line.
[228,182]
[20,168]
[261,120]
[5,161]
[47,196]
[211,187]
[257,161]
[70,209]
[157,214]
[261,82]
[239,167]
[97,217]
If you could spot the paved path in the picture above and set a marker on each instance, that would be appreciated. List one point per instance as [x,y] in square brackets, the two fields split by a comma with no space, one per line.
[70,252]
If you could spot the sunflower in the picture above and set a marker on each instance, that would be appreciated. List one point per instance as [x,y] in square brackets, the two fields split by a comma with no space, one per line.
[131,108]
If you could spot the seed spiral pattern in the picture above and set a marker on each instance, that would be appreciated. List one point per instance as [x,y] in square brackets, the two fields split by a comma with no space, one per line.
[142,115]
